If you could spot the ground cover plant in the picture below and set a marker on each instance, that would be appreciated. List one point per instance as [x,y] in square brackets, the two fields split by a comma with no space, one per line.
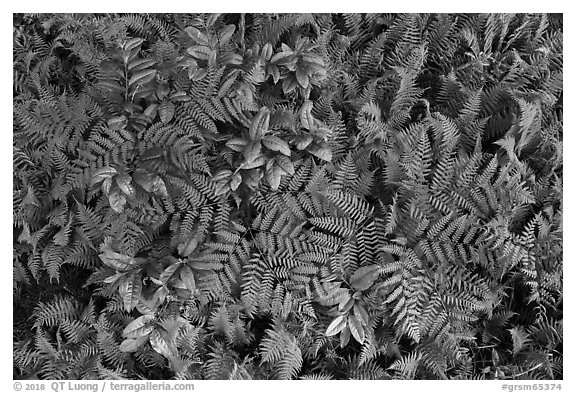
[274,196]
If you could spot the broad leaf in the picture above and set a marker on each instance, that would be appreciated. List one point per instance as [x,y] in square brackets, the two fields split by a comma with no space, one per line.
[139,327]
[276,144]
[364,277]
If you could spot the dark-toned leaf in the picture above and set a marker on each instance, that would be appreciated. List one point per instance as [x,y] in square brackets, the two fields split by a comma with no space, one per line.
[197,36]
[141,64]
[364,277]
[285,163]
[324,153]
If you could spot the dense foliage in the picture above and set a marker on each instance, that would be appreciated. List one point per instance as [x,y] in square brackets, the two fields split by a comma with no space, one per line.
[299,196]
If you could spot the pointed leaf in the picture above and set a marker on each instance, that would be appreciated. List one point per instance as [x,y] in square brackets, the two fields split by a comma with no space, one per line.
[132,344]
[187,277]
[160,344]
[142,77]
[276,144]
[197,36]
[285,163]
[130,290]
[166,110]
[336,326]
[259,124]
[200,52]
[117,201]
[169,272]
[237,144]
[139,327]
[226,33]
[364,277]
[356,329]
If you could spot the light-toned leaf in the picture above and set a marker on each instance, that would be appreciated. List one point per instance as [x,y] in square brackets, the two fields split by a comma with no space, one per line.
[344,337]
[276,144]
[186,248]
[236,181]
[169,272]
[324,153]
[302,77]
[336,326]
[139,327]
[132,344]
[273,175]
[356,329]
[226,33]
[259,124]
[187,277]
[252,150]
[124,183]
[160,344]
[142,77]
[117,201]
[200,52]
[103,173]
[285,163]
[141,64]
[237,144]
[130,289]
[166,111]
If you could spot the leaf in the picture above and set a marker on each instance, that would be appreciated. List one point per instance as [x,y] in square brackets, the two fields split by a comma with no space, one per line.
[118,123]
[361,314]
[356,329]
[226,33]
[132,43]
[285,163]
[364,277]
[344,337]
[186,248]
[160,344]
[276,144]
[282,58]
[302,78]
[519,339]
[141,64]
[132,344]
[187,277]
[235,182]
[130,289]
[257,162]
[117,201]
[169,272]
[142,77]
[116,260]
[304,142]
[237,144]
[259,124]
[139,327]
[200,52]
[123,182]
[197,36]
[323,153]
[150,183]
[336,326]
[252,150]
[166,110]
[273,175]
[103,173]
[306,118]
